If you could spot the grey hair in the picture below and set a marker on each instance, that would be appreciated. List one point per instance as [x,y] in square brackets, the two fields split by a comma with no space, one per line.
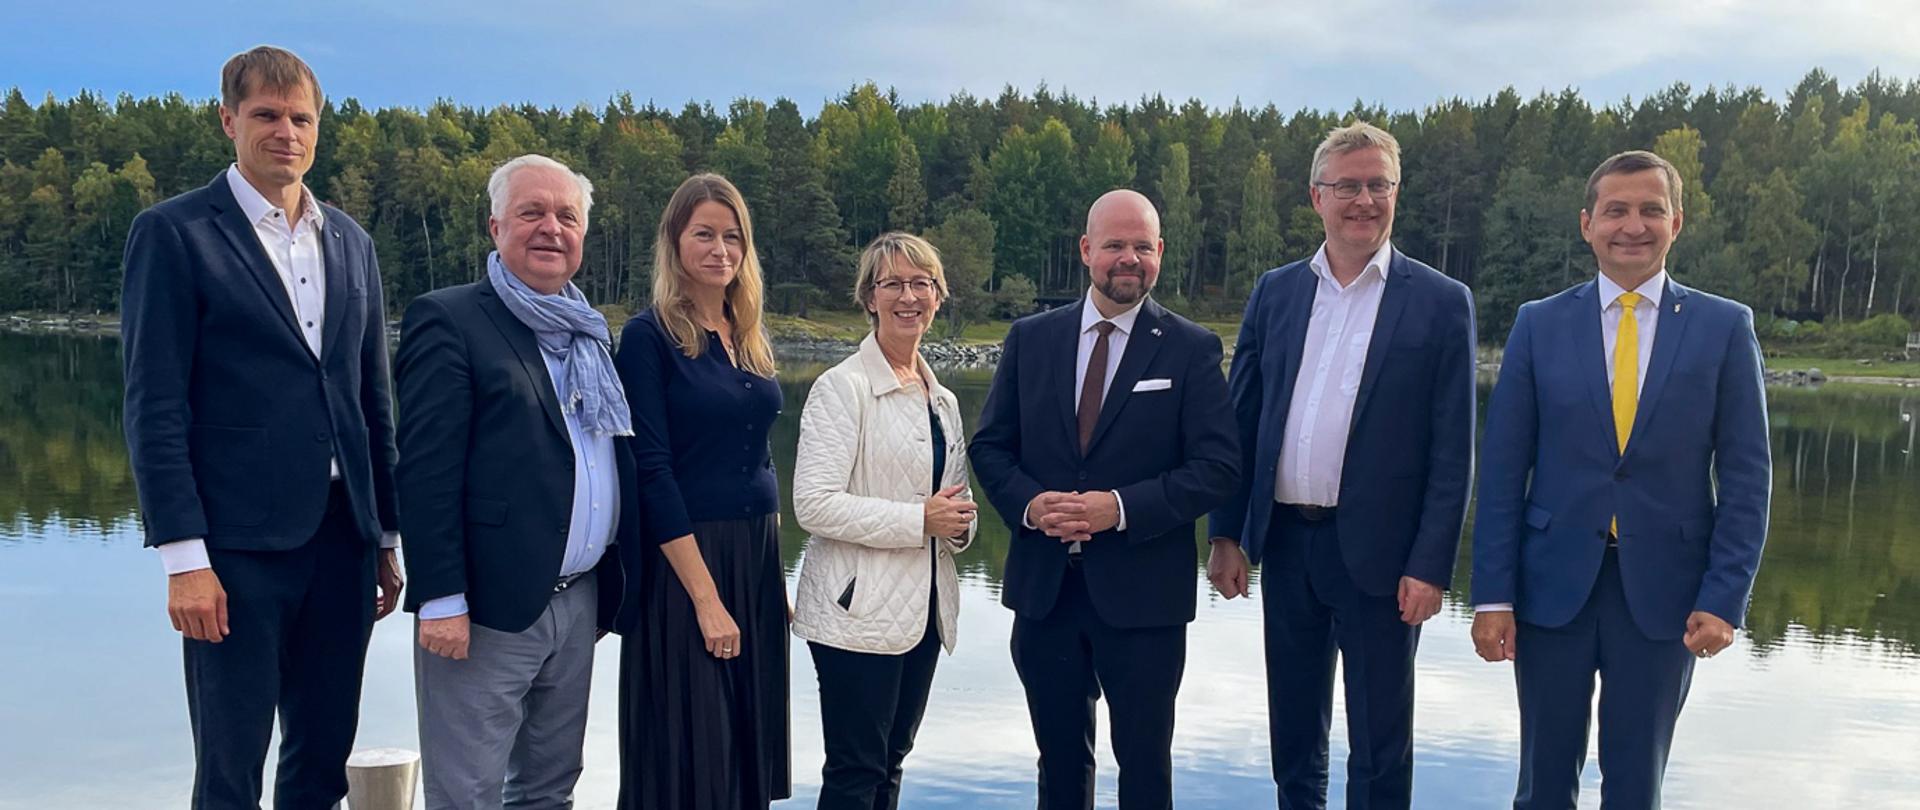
[1352,138]
[503,176]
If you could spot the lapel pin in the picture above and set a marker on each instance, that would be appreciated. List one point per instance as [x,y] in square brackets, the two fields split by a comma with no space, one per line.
[1156,331]
[1676,309]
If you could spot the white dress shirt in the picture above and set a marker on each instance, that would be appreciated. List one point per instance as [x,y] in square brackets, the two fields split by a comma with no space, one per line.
[293,247]
[596,497]
[1333,360]
[1116,343]
[1116,348]
[1646,315]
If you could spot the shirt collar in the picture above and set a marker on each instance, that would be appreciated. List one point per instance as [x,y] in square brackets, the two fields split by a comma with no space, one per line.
[880,377]
[1376,266]
[1090,315]
[256,206]
[1650,290]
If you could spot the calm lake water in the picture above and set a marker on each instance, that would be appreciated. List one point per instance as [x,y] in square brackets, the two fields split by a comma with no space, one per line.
[1817,705]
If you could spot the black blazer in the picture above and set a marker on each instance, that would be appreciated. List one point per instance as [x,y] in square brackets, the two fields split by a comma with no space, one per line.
[1169,452]
[230,418]
[1409,455]
[486,469]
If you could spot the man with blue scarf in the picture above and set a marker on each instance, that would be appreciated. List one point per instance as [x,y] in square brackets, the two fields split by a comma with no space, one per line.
[512,501]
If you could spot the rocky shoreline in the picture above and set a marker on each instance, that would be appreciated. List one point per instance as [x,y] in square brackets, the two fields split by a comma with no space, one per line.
[943,353]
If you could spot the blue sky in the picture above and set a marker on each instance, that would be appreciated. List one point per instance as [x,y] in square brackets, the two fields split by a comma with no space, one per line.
[1322,55]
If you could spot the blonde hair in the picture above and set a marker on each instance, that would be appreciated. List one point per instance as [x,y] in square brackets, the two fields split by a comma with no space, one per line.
[886,250]
[1353,138]
[674,307]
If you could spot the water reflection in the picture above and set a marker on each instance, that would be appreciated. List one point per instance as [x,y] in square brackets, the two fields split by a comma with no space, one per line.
[1815,708]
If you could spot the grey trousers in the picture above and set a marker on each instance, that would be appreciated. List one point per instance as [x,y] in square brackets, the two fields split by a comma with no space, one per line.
[505,727]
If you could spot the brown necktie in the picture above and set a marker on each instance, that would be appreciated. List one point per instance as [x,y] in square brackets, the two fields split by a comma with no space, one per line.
[1094,385]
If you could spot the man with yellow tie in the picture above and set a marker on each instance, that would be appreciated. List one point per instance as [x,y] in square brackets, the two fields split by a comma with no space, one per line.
[1623,497]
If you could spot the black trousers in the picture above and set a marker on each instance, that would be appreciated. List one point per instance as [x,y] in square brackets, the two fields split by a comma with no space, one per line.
[1643,684]
[870,710]
[300,621]
[1066,661]
[1314,612]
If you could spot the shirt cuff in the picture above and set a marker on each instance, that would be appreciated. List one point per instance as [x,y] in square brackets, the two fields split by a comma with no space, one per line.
[1494,607]
[445,607]
[1024,521]
[1121,524]
[182,556]
[390,540]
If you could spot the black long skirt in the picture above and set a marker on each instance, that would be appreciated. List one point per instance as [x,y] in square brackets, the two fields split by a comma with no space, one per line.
[697,732]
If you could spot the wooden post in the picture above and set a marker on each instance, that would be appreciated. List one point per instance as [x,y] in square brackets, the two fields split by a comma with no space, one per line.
[382,779]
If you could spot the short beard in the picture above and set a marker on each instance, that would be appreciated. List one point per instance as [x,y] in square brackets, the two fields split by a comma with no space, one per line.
[1110,290]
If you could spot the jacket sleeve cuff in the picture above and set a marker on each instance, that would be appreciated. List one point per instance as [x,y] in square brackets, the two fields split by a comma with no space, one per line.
[182,556]
[445,607]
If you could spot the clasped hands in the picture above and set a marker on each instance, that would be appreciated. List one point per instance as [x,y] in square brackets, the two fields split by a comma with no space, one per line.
[1073,517]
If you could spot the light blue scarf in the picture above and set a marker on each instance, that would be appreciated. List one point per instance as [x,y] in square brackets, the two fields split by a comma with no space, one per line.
[565,325]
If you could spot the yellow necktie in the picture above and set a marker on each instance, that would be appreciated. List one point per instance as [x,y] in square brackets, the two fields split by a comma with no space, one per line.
[1626,375]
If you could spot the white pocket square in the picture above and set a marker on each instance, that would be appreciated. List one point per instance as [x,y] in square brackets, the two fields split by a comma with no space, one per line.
[1161,384]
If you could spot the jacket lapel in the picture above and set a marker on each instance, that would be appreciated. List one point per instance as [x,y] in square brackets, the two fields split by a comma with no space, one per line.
[1065,340]
[335,268]
[1667,337]
[1590,353]
[528,350]
[1296,312]
[1142,344]
[233,224]
[1393,302]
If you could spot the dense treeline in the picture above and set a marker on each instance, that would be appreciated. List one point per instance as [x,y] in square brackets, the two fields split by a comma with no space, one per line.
[1804,207]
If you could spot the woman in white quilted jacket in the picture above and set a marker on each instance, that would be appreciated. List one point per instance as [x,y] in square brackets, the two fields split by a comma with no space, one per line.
[880,483]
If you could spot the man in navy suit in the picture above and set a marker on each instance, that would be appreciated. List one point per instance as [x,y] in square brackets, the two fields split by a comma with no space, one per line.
[1623,503]
[1105,435]
[1352,387]
[261,437]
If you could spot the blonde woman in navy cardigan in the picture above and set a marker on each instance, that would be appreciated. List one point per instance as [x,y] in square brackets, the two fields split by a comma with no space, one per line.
[703,672]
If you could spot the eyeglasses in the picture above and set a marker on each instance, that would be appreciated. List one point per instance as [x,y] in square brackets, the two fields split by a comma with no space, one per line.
[1349,189]
[921,286]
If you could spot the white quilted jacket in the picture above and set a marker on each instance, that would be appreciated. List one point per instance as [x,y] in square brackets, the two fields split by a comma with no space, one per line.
[860,485]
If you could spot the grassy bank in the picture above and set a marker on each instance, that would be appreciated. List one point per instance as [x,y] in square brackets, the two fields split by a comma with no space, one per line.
[1847,367]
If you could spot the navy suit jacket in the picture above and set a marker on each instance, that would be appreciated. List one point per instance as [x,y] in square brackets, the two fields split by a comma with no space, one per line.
[1169,452]
[486,469]
[1409,457]
[230,418]
[1690,491]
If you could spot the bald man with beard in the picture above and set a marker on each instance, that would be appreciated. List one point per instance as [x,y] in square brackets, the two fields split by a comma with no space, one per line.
[1105,435]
